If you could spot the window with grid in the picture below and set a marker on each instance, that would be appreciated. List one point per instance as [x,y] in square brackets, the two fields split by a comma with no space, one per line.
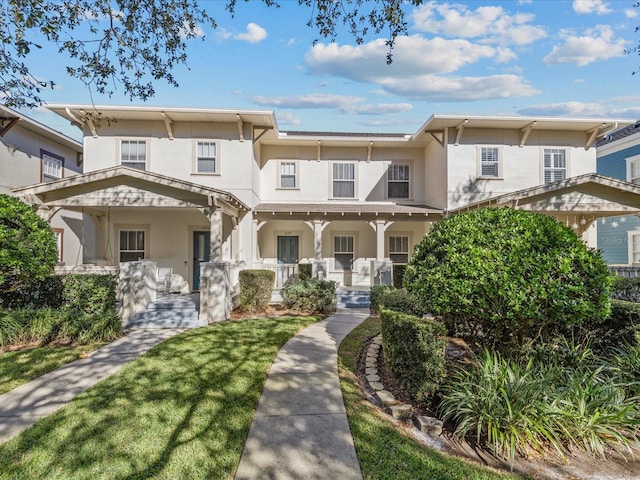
[399,248]
[555,165]
[58,234]
[52,167]
[132,245]
[133,153]
[343,252]
[634,171]
[288,177]
[207,160]
[489,162]
[634,247]
[344,180]
[398,181]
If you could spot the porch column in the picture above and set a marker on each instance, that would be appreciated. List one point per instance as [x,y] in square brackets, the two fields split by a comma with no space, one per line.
[380,267]
[380,229]
[257,225]
[319,269]
[215,227]
[318,227]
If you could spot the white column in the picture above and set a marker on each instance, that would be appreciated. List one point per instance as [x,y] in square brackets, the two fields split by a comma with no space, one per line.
[257,225]
[317,238]
[380,229]
[215,225]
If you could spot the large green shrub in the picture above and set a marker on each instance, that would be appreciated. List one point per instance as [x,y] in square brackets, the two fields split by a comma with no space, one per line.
[503,277]
[397,274]
[376,293]
[37,294]
[309,295]
[414,350]
[619,328]
[305,271]
[255,289]
[89,293]
[28,250]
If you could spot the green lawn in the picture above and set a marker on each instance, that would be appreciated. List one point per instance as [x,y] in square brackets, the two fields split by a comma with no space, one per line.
[383,450]
[22,366]
[183,410]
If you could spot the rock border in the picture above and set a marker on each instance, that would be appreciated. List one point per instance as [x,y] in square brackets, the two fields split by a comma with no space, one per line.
[400,411]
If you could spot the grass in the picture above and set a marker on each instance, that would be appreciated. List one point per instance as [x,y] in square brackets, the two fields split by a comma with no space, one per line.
[183,410]
[383,450]
[21,366]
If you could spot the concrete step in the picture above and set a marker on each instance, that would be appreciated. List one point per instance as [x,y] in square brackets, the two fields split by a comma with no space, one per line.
[171,311]
[353,298]
[163,323]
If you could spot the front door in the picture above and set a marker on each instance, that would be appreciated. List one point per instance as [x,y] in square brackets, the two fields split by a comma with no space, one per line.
[201,253]
[287,258]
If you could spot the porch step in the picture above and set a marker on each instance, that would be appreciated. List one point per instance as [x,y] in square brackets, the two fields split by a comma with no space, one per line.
[170,311]
[352,298]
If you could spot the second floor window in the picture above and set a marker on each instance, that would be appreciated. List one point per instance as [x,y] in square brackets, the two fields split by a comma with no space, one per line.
[52,167]
[489,162]
[344,180]
[133,153]
[555,165]
[398,181]
[207,159]
[633,174]
[288,178]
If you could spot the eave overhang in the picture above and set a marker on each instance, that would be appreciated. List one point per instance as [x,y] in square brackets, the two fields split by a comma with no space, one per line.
[361,210]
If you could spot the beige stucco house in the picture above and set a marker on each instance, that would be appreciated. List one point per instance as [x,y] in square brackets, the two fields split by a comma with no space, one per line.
[32,153]
[182,186]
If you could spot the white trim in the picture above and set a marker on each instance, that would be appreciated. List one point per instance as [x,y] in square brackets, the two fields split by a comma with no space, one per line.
[355,179]
[629,162]
[500,162]
[567,162]
[147,160]
[297,176]
[146,228]
[630,235]
[194,164]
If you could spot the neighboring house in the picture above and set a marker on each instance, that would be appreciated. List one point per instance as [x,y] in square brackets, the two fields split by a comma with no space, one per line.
[619,157]
[32,153]
[183,186]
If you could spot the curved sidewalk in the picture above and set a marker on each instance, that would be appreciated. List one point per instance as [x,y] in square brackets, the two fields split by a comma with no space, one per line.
[22,407]
[300,428]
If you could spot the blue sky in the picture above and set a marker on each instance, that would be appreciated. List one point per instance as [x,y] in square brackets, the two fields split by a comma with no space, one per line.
[527,57]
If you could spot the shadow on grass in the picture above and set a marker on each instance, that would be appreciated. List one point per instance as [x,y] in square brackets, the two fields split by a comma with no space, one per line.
[183,410]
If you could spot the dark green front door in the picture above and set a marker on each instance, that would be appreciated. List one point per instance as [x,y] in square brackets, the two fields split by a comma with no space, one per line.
[201,253]
[287,249]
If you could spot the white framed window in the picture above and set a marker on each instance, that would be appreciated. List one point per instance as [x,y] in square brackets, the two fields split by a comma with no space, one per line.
[633,240]
[207,157]
[288,175]
[633,169]
[398,181]
[343,252]
[133,153]
[399,248]
[132,245]
[344,180]
[58,234]
[489,162]
[52,166]
[555,165]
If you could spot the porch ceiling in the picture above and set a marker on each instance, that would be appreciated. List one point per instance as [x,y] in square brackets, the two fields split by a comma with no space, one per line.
[127,187]
[591,194]
[362,209]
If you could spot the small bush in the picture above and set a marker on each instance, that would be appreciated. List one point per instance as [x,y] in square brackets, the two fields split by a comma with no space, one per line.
[37,294]
[397,274]
[89,293]
[414,351]
[309,295]
[305,271]
[255,289]
[626,289]
[43,326]
[376,293]
[399,300]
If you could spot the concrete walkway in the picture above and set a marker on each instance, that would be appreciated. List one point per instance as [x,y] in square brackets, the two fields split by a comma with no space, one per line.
[300,428]
[22,407]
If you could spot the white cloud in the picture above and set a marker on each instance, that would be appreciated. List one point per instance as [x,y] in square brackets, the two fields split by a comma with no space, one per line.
[223,34]
[585,7]
[631,12]
[620,107]
[343,103]
[419,68]
[287,118]
[186,31]
[490,23]
[254,34]
[596,44]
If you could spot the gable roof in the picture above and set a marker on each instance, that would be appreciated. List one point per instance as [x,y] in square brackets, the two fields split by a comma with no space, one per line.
[59,192]
[589,193]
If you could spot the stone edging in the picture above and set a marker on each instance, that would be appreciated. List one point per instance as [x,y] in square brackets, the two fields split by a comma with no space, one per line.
[400,411]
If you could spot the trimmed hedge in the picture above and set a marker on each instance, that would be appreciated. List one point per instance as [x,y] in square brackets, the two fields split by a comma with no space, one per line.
[305,271]
[255,289]
[376,293]
[89,293]
[503,278]
[43,326]
[414,350]
[400,300]
[309,295]
[626,289]
[37,294]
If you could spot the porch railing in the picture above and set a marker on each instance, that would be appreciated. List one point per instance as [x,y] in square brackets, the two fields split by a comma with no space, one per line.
[283,271]
[627,271]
